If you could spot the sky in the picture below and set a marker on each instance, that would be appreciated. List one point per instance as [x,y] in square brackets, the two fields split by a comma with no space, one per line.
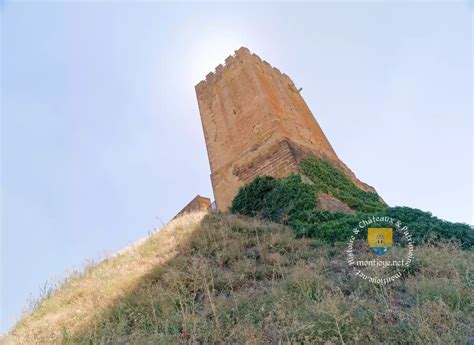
[101,139]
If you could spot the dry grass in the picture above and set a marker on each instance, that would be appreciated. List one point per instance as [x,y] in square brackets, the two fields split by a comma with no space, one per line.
[85,295]
[231,279]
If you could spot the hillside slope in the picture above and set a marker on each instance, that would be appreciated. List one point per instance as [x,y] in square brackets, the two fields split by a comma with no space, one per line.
[229,278]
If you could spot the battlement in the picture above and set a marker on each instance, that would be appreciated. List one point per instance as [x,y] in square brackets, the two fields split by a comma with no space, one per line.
[256,123]
[240,53]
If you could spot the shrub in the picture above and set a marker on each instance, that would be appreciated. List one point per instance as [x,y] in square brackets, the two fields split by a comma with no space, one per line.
[291,201]
[330,180]
[424,227]
[250,200]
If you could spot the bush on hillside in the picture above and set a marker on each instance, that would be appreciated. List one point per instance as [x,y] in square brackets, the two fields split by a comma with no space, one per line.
[291,201]
[329,179]
[250,200]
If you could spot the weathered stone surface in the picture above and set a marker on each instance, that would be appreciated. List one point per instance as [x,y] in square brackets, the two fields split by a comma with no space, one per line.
[330,203]
[199,203]
[256,123]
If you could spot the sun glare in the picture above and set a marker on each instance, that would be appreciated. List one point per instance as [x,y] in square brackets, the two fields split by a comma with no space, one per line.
[208,53]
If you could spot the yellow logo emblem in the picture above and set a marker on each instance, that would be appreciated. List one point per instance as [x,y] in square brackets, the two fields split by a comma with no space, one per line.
[380,239]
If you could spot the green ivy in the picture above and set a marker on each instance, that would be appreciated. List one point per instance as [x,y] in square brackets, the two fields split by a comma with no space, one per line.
[291,201]
[250,199]
[329,179]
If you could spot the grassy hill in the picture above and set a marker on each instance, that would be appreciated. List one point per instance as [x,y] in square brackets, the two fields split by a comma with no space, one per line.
[273,270]
[231,278]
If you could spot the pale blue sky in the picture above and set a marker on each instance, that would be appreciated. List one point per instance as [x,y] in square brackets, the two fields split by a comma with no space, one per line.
[101,136]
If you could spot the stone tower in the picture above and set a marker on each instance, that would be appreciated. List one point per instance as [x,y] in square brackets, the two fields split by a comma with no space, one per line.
[256,123]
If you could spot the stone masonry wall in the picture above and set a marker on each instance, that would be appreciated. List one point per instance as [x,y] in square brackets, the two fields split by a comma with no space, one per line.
[199,203]
[255,122]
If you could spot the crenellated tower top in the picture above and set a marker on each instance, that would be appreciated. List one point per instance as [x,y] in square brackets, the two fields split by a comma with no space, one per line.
[256,122]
